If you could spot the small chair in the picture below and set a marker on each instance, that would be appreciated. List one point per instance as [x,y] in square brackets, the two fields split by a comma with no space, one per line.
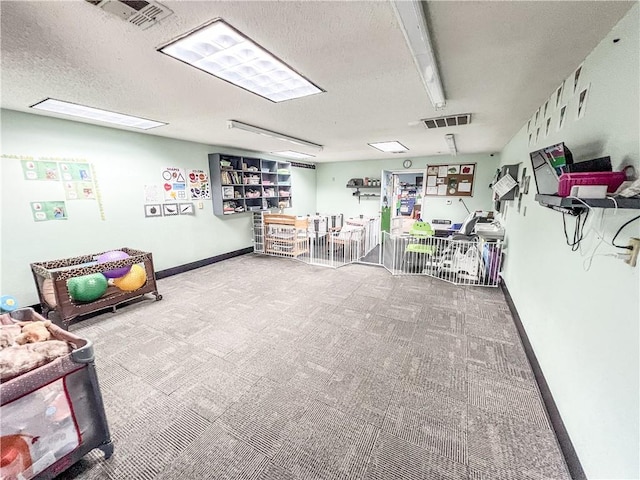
[419,232]
[419,247]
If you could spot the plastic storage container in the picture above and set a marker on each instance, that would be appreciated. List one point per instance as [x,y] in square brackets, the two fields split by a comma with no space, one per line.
[611,179]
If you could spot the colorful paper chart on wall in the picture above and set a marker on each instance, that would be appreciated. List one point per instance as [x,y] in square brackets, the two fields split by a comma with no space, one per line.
[175,183]
[76,176]
[78,181]
[450,180]
[38,170]
[199,188]
[44,211]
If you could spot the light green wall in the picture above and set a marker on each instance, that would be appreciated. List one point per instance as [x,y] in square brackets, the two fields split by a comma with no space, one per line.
[334,197]
[124,162]
[583,325]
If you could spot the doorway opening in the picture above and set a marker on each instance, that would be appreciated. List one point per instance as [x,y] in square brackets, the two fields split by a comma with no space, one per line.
[401,193]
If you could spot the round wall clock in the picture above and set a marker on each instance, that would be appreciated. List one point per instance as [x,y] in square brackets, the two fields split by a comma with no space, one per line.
[407,163]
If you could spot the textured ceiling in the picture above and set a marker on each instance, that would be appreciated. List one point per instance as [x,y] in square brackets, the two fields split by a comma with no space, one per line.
[498,61]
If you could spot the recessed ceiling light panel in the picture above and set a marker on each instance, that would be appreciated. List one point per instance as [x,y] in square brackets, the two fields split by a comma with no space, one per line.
[292,154]
[66,108]
[223,52]
[389,147]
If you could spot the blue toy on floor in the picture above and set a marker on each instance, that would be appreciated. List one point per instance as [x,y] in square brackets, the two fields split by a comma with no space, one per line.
[8,303]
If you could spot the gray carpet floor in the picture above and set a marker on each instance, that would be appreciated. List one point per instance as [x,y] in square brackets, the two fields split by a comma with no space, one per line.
[267,368]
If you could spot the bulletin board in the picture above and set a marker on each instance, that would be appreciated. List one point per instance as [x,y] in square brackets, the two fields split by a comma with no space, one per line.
[449,180]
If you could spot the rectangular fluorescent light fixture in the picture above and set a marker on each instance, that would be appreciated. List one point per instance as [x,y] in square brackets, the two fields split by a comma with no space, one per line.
[268,133]
[451,142]
[412,20]
[389,147]
[224,52]
[90,113]
[292,154]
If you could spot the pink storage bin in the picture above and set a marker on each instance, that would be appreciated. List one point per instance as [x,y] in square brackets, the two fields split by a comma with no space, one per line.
[611,179]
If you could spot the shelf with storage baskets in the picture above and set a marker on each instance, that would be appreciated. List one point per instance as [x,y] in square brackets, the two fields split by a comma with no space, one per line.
[247,184]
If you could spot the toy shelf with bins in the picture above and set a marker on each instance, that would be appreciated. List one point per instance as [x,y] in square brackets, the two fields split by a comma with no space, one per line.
[246,184]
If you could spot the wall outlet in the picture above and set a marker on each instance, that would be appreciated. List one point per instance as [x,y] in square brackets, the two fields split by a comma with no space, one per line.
[634,243]
[200,205]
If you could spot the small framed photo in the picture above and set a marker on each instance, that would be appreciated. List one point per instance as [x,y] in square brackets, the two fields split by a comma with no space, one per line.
[562,117]
[153,210]
[169,209]
[559,94]
[547,127]
[582,102]
[576,78]
[186,209]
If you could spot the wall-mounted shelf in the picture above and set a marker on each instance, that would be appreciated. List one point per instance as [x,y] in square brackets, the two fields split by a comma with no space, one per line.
[359,194]
[576,205]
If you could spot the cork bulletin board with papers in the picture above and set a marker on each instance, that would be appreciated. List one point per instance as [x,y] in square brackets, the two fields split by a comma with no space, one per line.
[449,180]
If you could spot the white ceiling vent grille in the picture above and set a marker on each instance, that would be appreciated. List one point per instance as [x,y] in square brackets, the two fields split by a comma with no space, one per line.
[451,121]
[141,13]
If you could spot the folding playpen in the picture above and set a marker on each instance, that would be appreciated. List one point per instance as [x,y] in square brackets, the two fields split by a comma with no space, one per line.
[53,415]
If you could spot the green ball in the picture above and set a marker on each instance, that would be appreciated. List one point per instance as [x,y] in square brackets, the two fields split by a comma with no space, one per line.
[87,288]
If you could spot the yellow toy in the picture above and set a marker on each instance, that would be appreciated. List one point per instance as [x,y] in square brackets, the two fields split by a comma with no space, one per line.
[133,280]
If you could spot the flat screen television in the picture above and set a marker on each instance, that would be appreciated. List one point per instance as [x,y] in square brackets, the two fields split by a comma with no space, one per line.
[548,164]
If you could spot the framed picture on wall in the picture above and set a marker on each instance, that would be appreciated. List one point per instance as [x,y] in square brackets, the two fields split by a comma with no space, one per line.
[186,209]
[559,94]
[169,209]
[582,102]
[547,127]
[562,117]
[576,78]
[153,210]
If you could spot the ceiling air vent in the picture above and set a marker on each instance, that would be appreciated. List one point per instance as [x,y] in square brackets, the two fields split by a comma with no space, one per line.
[141,13]
[450,121]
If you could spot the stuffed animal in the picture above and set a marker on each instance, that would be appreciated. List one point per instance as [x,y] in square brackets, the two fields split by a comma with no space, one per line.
[33,332]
